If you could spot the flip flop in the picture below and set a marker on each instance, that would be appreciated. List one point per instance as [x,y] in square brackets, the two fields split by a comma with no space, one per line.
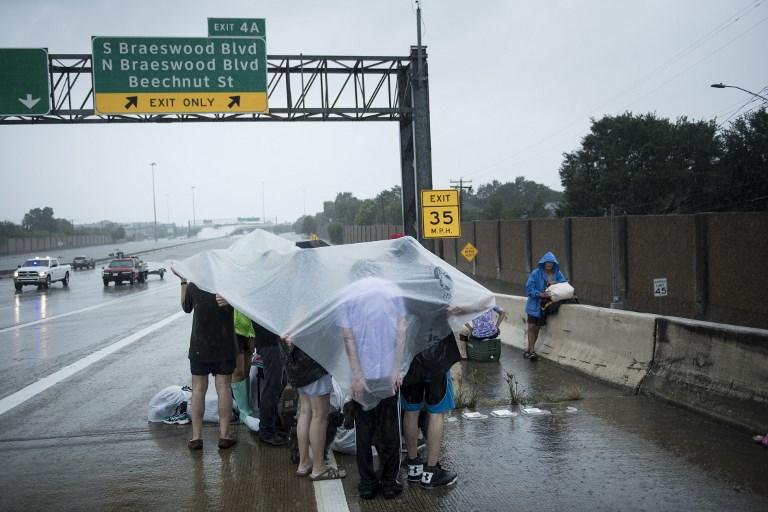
[304,472]
[329,474]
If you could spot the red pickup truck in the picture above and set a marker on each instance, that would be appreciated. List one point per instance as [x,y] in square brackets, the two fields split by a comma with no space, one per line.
[130,269]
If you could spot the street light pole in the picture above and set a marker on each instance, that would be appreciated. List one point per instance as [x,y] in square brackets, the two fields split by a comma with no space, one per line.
[154,203]
[724,86]
[193,205]
[263,208]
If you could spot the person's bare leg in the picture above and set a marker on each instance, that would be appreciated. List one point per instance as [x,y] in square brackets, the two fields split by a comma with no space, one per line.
[434,438]
[411,428]
[302,432]
[197,404]
[318,427]
[533,335]
[224,394]
[240,372]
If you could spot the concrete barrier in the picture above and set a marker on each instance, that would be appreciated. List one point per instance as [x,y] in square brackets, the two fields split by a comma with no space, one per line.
[614,346]
[717,369]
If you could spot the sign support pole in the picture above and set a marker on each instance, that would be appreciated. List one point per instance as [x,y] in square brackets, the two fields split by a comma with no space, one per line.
[422,138]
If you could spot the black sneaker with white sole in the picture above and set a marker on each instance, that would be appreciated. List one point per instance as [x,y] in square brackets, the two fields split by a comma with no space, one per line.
[436,476]
[415,469]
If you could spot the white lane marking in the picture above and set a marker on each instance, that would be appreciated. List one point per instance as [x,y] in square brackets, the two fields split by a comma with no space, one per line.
[329,494]
[77,311]
[24,394]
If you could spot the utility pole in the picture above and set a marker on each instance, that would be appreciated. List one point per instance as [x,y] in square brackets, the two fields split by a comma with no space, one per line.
[263,208]
[193,205]
[616,302]
[461,185]
[154,203]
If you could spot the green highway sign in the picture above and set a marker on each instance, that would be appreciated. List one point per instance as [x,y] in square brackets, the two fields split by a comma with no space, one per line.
[236,27]
[24,84]
[149,75]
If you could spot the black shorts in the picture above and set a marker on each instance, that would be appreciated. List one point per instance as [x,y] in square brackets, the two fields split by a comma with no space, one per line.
[437,394]
[245,345]
[537,320]
[215,368]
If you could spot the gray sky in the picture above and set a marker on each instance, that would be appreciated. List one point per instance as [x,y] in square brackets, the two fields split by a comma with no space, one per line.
[513,85]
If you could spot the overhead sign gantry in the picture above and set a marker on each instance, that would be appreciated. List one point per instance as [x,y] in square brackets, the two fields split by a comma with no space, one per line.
[138,86]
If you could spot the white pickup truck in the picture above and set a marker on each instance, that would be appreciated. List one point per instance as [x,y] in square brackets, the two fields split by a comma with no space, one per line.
[41,272]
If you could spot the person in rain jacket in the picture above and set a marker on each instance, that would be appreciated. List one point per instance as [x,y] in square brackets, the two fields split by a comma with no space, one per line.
[546,273]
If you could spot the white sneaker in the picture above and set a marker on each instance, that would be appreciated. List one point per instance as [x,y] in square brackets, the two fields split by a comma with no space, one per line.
[252,423]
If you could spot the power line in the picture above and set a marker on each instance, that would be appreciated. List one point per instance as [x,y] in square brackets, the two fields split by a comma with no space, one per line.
[461,186]
[730,20]
[682,71]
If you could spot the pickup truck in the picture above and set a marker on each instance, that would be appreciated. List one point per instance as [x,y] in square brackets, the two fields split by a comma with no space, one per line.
[83,262]
[130,269]
[41,272]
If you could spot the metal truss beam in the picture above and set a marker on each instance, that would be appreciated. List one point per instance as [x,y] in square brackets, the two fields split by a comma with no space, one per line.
[300,88]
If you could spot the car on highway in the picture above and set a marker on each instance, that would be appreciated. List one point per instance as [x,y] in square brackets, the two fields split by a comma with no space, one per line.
[83,262]
[130,269]
[41,272]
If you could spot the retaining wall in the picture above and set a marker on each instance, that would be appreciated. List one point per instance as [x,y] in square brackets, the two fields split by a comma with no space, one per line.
[716,369]
[10,246]
[614,346]
[708,260]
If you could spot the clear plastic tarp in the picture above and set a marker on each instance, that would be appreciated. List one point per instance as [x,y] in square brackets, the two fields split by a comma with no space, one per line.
[362,311]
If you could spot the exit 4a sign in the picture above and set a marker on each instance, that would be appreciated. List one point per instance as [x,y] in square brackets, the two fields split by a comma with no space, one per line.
[236,27]
[24,84]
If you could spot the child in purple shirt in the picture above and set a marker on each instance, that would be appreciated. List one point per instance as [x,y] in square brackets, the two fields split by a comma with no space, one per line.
[484,327]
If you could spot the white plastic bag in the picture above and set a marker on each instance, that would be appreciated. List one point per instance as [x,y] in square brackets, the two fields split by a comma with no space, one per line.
[344,442]
[560,291]
[211,414]
[164,403]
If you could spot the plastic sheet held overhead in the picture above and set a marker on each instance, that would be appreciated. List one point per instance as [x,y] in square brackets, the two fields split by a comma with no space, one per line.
[362,311]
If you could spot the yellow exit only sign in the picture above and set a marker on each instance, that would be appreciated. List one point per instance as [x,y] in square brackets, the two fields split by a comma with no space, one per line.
[440,214]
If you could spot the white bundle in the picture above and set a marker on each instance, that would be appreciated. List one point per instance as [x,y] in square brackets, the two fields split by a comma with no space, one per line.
[560,291]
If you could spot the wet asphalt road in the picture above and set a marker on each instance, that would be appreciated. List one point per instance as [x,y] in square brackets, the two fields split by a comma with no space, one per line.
[85,444]
[101,252]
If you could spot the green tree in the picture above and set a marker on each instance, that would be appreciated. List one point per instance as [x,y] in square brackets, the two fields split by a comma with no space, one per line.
[345,208]
[389,205]
[519,199]
[641,164]
[10,230]
[368,213]
[40,219]
[742,183]
[308,225]
[336,233]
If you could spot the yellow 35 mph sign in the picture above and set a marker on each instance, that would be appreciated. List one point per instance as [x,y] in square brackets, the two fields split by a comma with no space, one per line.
[440,214]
